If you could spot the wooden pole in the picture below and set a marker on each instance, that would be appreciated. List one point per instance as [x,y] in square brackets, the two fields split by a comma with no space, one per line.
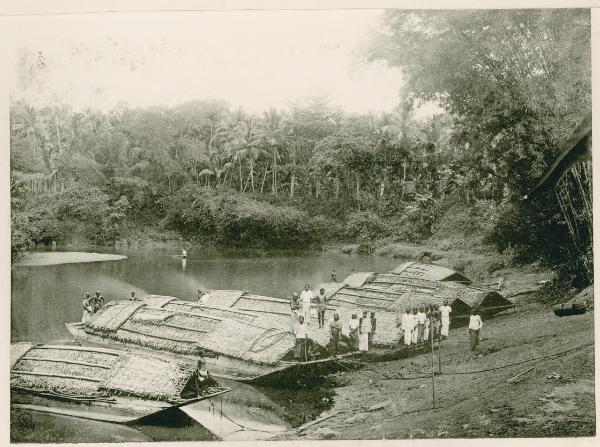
[432,373]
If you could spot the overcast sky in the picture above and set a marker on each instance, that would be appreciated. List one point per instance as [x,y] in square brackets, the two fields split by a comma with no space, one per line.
[255,60]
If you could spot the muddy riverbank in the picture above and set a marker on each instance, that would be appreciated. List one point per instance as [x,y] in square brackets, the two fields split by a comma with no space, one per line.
[474,394]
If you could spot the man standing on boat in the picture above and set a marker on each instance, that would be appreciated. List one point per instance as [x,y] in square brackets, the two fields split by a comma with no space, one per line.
[335,333]
[294,310]
[306,297]
[445,311]
[300,334]
[321,301]
[133,297]
[98,301]
[88,309]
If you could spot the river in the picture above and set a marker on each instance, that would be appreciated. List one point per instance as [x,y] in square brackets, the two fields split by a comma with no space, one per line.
[43,298]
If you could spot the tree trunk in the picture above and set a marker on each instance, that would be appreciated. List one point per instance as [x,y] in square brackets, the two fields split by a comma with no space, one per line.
[293,182]
[252,174]
[357,186]
[274,186]
[317,187]
[241,179]
[337,187]
[264,178]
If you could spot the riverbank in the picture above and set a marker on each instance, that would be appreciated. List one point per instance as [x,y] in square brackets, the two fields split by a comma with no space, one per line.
[477,395]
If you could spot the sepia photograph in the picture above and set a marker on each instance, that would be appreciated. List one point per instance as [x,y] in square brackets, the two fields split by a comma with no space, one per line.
[300,225]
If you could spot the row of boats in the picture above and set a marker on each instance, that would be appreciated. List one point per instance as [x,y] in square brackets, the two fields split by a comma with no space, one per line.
[134,359]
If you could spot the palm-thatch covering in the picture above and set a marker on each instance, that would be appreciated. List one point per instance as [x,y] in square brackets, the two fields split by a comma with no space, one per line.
[275,312]
[429,272]
[389,292]
[196,334]
[96,373]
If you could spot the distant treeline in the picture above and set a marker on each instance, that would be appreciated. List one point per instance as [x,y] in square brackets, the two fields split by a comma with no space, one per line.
[513,85]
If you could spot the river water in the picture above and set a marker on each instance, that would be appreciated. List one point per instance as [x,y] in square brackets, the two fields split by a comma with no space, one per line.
[43,298]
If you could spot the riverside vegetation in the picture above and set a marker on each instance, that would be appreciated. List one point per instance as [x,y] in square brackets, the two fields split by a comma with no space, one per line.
[511,85]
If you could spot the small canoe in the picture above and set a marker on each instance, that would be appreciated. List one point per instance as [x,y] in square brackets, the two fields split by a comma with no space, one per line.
[103,384]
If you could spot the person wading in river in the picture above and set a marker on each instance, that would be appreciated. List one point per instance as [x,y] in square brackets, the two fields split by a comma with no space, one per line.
[335,333]
[300,334]
[475,325]
[88,308]
[306,297]
[321,301]
[445,311]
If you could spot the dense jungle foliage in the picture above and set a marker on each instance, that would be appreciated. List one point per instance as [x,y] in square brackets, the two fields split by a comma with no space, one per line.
[512,84]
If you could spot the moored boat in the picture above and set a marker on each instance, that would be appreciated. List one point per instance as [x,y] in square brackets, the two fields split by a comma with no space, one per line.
[256,351]
[104,384]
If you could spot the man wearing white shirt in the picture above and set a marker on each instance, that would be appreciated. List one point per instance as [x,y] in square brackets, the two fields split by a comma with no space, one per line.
[421,319]
[407,324]
[306,298]
[475,325]
[300,334]
[445,311]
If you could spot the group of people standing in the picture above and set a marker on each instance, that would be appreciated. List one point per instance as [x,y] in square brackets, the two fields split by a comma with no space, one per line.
[91,305]
[430,322]
[360,330]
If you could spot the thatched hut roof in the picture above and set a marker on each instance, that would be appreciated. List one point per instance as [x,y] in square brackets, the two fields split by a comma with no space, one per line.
[192,333]
[429,272]
[76,370]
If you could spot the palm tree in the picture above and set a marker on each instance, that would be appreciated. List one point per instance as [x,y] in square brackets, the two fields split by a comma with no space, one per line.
[245,145]
[274,138]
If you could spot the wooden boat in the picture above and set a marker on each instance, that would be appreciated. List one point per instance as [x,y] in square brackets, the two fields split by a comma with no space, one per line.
[430,272]
[244,348]
[392,293]
[104,384]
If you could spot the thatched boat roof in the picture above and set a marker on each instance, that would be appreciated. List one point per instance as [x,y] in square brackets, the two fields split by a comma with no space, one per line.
[275,312]
[392,292]
[96,372]
[192,333]
[429,272]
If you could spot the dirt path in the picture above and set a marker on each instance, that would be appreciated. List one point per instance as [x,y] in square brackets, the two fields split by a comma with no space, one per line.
[479,404]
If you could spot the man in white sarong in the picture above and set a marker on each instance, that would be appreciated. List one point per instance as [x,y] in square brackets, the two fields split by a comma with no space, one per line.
[445,311]
[407,324]
[415,329]
[306,298]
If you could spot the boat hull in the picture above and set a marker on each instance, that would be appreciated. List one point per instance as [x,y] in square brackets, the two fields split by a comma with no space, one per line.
[117,409]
